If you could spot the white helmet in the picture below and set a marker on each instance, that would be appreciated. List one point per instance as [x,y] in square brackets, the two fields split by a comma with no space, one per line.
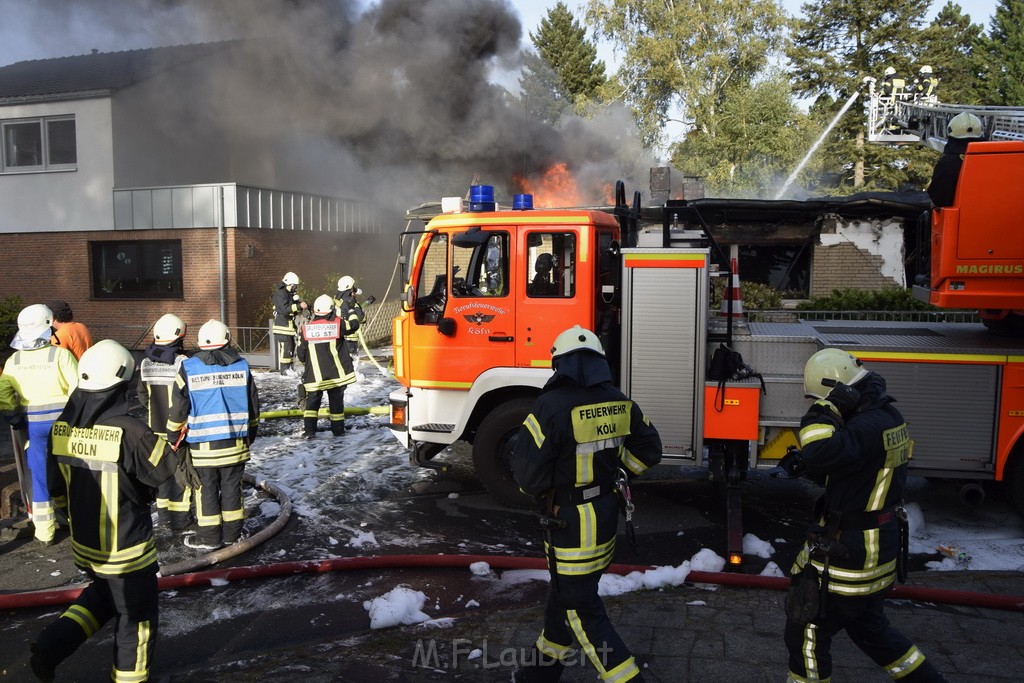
[213,335]
[890,71]
[829,367]
[105,364]
[345,282]
[926,69]
[290,279]
[323,305]
[965,125]
[576,338]
[169,329]
[34,321]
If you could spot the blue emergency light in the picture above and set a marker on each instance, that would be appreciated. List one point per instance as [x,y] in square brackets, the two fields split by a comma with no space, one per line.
[522,202]
[481,198]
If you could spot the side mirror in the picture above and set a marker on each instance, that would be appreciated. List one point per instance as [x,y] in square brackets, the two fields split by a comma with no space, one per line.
[446,326]
[409,299]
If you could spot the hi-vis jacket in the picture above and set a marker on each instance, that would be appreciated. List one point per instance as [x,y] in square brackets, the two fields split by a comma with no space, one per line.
[111,470]
[349,310]
[863,465]
[156,384]
[43,379]
[324,353]
[215,400]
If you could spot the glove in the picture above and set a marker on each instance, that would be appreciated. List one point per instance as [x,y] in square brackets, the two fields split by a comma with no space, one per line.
[17,421]
[793,463]
[186,475]
[845,398]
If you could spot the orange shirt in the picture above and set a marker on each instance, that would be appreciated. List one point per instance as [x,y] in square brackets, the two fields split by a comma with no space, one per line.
[74,336]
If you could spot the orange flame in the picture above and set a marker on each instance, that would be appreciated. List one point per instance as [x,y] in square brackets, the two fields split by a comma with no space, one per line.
[555,188]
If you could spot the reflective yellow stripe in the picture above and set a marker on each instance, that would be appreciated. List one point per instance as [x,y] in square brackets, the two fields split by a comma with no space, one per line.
[810,660]
[232,515]
[84,618]
[872,541]
[815,432]
[588,525]
[551,649]
[145,632]
[533,427]
[625,671]
[157,454]
[574,554]
[109,501]
[111,556]
[905,665]
[584,468]
[631,462]
[581,635]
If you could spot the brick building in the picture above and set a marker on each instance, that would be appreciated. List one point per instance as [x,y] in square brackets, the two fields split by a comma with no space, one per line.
[130,190]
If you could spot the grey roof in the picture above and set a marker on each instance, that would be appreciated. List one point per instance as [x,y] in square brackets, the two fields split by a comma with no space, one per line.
[41,79]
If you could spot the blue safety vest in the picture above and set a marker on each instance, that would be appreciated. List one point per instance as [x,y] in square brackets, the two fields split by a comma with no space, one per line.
[219,400]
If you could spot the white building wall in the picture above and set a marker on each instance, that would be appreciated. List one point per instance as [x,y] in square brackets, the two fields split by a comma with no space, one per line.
[79,199]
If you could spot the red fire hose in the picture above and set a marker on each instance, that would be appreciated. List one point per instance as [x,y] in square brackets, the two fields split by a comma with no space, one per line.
[175,576]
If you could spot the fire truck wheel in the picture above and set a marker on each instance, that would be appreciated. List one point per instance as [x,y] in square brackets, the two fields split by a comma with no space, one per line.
[492,451]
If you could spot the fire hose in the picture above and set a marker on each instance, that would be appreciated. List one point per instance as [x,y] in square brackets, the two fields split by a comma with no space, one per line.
[183,574]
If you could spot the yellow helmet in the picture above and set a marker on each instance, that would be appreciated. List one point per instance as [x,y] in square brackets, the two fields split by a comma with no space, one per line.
[829,367]
[105,364]
[576,338]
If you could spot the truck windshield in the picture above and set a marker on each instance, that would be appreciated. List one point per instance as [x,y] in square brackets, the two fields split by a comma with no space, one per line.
[481,270]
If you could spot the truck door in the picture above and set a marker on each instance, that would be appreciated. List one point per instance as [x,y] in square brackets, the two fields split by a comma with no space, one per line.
[463,322]
[552,292]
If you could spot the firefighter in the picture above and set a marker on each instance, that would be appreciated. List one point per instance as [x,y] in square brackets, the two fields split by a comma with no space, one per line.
[158,370]
[892,85]
[350,311]
[287,304]
[855,442]
[215,411]
[43,376]
[963,129]
[68,332]
[569,453]
[112,462]
[328,365]
[542,285]
[925,84]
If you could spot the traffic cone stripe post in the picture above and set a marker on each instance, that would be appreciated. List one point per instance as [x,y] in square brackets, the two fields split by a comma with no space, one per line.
[739,318]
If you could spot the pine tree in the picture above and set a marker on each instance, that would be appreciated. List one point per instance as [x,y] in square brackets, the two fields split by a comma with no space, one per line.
[567,72]
[1005,51]
[952,45]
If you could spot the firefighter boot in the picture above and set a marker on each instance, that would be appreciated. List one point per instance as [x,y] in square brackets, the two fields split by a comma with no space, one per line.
[309,427]
[42,666]
[338,427]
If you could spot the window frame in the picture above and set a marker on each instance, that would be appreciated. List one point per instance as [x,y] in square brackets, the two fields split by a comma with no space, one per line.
[45,150]
[98,291]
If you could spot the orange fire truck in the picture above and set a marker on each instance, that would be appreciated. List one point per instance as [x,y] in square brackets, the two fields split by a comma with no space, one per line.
[489,289]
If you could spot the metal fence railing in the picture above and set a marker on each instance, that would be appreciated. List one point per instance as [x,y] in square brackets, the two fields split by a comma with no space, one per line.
[794,315]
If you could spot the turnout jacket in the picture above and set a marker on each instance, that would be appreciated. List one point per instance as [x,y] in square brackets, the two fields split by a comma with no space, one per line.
[324,353]
[215,402]
[862,463]
[350,311]
[158,372]
[581,430]
[942,188]
[286,307]
[112,463]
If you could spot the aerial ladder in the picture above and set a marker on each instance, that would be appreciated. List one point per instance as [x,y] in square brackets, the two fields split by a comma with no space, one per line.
[904,119]
[976,246]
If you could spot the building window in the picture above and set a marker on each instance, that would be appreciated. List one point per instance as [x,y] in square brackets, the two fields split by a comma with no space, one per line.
[39,144]
[137,270]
